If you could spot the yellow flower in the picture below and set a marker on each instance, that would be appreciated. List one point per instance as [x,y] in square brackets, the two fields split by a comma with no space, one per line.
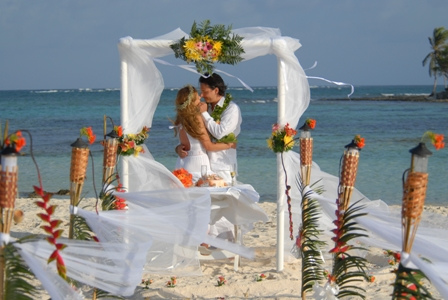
[269,141]
[289,141]
[137,150]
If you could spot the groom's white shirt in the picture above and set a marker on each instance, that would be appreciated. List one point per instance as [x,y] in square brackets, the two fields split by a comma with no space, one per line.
[221,162]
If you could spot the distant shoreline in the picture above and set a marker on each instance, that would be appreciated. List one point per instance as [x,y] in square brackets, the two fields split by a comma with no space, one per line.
[390,98]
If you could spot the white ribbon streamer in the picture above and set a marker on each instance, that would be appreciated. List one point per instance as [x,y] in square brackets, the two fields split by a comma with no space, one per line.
[193,70]
[334,82]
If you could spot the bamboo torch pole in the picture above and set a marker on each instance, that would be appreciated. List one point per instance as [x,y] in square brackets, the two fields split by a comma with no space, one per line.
[8,194]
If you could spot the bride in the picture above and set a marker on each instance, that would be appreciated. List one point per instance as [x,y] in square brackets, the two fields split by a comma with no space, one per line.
[193,134]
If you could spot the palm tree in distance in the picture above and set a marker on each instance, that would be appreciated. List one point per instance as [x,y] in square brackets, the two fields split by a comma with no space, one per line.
[436,57]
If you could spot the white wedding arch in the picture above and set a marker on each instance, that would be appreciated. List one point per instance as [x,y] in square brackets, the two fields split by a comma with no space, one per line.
[142,85]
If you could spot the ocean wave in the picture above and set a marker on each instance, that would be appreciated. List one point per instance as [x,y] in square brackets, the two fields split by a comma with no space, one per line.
[45,91]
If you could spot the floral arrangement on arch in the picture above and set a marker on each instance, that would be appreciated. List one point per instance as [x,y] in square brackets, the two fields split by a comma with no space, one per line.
[129,144]
[282,138]
[207,45]
[184,176]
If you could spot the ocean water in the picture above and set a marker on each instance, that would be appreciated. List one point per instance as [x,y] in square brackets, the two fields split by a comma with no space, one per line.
[391,129]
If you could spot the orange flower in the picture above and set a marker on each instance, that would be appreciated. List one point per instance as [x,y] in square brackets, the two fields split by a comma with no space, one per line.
[16,140]
[88,132]
[118,130]
[289,131]
[436,139]
[311,123]
[184,177]
[359,141]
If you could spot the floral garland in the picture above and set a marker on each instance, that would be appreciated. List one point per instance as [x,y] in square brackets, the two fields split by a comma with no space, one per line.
[216,115]
[129,144]
[281,139]
[184,176]
[207,45]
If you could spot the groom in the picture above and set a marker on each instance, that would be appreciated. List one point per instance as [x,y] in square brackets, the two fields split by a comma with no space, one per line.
[222,117]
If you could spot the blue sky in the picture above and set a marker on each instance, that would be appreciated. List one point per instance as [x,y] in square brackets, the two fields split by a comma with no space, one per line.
[56,44]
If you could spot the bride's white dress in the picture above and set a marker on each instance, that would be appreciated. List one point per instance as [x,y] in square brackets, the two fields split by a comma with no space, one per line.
[197,157]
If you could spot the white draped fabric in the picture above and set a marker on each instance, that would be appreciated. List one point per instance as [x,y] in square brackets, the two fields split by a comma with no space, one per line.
[383,224]
[112,267]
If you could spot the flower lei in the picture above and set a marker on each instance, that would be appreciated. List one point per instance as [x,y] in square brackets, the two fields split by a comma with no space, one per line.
[281,139]
[209,44]
[129,144]
[216,115]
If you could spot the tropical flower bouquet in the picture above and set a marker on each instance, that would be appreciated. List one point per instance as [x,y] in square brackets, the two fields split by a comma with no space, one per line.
[184,176]
[207,45]
[281,139]
[129,144]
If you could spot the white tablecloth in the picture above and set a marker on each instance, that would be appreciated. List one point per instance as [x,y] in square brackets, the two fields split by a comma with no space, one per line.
[238,204]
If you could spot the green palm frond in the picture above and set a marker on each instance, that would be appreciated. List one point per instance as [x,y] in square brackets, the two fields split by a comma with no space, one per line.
[17,276]
[350,270]
[408,283]
[310,244]
[81,230]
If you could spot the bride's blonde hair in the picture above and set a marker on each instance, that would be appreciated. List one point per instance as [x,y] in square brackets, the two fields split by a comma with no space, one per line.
[187,111]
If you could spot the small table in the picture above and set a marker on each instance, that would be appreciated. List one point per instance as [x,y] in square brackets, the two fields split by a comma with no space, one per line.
[239,205]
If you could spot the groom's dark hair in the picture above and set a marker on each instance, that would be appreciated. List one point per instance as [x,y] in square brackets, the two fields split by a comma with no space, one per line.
[214,81]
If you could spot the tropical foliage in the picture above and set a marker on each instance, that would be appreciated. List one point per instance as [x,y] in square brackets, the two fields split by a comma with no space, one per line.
[438,57]
[18,276]
[409,284]
[348,269]
[308,241]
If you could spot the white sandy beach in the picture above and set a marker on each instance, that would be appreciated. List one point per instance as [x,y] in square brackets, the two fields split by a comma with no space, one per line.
[240,284]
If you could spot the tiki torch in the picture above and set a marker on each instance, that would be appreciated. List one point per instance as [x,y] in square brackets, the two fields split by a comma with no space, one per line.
[78,168]
[414,193]
[349,170]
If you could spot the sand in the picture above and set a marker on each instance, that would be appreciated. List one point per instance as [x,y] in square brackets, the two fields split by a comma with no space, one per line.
[240,284]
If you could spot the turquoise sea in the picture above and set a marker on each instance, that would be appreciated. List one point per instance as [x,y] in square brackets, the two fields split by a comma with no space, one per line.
[391,129]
